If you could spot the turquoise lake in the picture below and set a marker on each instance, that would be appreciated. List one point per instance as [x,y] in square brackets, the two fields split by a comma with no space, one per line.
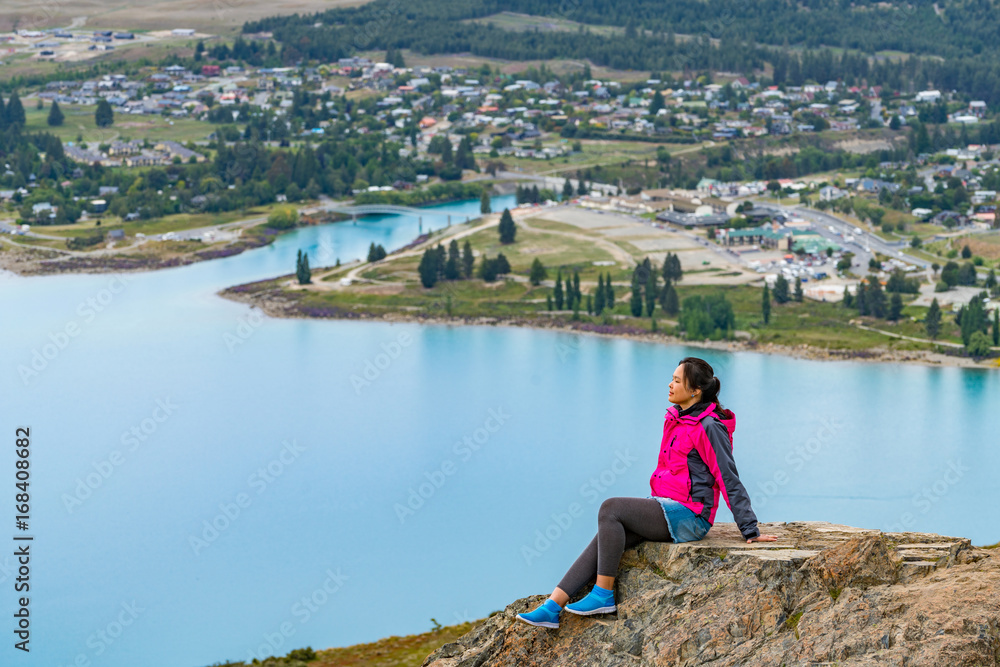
[208,484]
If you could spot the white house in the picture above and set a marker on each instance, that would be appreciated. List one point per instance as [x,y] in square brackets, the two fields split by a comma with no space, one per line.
[928,96]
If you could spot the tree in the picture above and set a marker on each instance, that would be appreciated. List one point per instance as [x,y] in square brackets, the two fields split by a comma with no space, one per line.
[567,191]
[765,304]
[652,290]
[488,269]
[429,268]
[895,307]
[781,289]
[581,187]
[55,118]
[996,326]
[966,252]
[557,293]
[657,103]
[599,296]
[503,266]
[635,302]
[978,345]
[467,259]
[484,203]
[576,289]
[609,293]
[672,268]
[376,252]
[875,297]
[103,115]
[798,289]
[967,274]
[302,272]
[932,320]
[710,316]
[537,274]
[453,265]
[668,299]
[14,114]
[507,227]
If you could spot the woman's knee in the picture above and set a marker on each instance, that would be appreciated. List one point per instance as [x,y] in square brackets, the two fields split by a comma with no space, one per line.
[610,508]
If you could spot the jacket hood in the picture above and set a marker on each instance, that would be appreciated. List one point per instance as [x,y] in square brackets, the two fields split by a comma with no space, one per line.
[701,410]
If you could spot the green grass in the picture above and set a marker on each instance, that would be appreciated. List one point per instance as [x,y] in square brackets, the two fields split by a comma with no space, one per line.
[171,223]
[79,122]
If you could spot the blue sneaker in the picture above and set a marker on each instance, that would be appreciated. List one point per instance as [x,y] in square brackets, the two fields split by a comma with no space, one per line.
[546,615]
[598,601]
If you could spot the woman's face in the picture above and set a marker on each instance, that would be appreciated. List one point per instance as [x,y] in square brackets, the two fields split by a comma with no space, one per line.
[678,392]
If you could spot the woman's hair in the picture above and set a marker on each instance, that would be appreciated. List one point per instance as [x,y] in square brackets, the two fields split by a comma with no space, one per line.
[698,374]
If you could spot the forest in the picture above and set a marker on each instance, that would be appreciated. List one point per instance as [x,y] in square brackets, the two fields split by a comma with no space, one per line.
[817,40]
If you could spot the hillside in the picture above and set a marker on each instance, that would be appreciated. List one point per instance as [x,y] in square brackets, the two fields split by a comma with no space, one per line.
[822,594]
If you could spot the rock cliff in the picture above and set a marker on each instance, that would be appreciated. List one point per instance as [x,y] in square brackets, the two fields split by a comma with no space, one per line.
[823,594]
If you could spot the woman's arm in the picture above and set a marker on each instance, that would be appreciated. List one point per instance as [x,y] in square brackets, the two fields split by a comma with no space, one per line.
[719,457]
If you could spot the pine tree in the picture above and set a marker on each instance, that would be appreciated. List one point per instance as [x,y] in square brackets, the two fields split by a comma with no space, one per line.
[895,307]
[599,296]
[848,298]
[875,297]
[14,115]
[861,299]
[798,289]
[635,302]
[467,259]
[669,300]
[558,291]
[609,293]
[55,118]
[932,320]
[567,192]
[428,268]
[3,114]
[548,302]
[765,304]
[538,273]
[302,272]
[577,297]
[652,290]
[590,305]
[103,115]
[507,228]
[781,289]
[996,327]
[581,187]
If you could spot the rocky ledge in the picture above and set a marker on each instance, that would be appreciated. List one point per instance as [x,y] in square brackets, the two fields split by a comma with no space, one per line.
[823,594]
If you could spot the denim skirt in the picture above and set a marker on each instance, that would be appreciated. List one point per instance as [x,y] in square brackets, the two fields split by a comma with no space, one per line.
[685,525]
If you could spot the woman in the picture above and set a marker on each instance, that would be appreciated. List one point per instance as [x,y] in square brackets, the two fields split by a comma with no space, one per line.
[695,463]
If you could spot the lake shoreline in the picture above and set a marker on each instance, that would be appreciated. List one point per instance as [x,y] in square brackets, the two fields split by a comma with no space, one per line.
[274,305]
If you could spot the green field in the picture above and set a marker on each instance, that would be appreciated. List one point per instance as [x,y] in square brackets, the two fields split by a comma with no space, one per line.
[79,123]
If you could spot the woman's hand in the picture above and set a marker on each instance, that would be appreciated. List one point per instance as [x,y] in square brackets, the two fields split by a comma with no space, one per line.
[763,538]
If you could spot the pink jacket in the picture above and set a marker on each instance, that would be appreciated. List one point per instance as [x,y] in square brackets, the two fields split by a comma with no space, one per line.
[696,462]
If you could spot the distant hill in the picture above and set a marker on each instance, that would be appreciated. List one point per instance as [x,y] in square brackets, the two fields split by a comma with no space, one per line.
[816,40]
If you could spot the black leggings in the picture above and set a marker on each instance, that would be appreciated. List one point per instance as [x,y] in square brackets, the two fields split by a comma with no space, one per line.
[621,524]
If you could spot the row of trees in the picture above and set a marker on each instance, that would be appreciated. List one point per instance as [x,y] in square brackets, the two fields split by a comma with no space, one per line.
[646,290]
[436,264]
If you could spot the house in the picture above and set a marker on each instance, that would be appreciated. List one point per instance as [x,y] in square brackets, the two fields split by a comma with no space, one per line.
[927,96]
[174,149]
[116,234]
[830,193]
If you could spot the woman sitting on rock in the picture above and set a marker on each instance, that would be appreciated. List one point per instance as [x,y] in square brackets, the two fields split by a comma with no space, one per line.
[695,463]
